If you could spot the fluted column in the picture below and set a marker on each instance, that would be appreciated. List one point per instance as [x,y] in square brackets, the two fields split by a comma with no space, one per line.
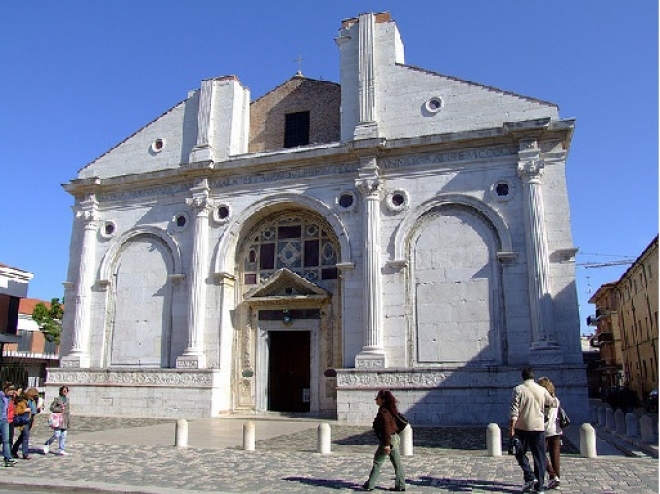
[87,214]
[370,185]
[530,171]
[194,356]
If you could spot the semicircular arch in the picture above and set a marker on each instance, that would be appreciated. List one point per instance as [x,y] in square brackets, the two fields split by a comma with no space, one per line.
[105,268]
[408,224]
[224,261]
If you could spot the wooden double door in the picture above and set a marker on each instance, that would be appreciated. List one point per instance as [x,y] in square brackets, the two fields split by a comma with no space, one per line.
[289,376]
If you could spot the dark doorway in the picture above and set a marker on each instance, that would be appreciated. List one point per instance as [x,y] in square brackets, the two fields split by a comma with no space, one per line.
[288,372]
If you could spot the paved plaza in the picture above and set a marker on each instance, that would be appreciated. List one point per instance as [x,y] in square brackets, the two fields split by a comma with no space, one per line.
[138,456]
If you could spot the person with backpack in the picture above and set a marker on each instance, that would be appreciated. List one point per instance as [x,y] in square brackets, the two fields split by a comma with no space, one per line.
[387,431]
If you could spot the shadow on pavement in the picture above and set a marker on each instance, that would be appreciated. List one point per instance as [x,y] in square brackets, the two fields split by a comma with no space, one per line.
[329,483]
[464,485]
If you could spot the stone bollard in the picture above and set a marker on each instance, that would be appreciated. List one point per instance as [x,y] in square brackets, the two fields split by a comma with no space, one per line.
[407,441]
[646,429]
[323,439]
[631,425]
[248,436]
[601,416]
[493,440]
[620,421]
[588,441]
[181,434]
[609,419]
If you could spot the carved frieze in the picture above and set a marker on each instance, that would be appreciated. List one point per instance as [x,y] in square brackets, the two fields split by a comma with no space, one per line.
[463,155]
[165,377]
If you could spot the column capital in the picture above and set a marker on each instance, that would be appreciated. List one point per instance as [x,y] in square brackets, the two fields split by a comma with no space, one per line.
[369,182]
[201,201]
[530,169]
[87,210]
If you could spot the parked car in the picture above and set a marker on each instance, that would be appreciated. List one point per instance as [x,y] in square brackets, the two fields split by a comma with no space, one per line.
[651,402]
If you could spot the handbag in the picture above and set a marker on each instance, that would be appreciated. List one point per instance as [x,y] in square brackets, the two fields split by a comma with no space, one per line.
[55,420]
[401,422]
[22,419]
[564,419]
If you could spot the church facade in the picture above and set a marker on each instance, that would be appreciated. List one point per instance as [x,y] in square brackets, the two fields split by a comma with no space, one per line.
[400,229]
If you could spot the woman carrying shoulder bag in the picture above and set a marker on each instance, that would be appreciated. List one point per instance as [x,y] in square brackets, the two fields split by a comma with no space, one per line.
[386,430]
[553,435]
[60,405]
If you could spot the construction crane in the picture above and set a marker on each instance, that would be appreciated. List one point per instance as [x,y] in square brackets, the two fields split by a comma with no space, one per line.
[590,265]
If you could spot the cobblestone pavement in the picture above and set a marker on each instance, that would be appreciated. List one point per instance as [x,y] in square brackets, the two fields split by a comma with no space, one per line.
[445,460]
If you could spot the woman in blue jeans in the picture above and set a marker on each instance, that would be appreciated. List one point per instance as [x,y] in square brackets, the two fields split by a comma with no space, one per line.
[60,405]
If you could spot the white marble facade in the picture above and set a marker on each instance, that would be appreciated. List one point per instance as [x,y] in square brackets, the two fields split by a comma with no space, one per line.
[426,248]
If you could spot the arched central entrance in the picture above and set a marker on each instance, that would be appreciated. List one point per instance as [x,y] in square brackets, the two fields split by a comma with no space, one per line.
[288,334]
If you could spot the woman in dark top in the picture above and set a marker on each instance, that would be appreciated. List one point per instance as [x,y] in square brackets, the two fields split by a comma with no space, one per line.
[387,433]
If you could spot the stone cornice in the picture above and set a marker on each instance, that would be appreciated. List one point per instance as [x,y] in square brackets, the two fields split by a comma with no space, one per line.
[327,159]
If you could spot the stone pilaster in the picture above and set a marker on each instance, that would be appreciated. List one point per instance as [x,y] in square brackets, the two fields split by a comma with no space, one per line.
[544,348]
[368,125]
[203,150]
[87,214]
[194,357]
[370,185]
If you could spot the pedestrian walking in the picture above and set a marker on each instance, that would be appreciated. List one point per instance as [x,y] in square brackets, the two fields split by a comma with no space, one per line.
[553,436]
[26,405]
[387,432]
[527,422]
[7,399]
[59,405]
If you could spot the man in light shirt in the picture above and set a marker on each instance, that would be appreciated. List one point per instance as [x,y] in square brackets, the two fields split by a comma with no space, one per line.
[527,422]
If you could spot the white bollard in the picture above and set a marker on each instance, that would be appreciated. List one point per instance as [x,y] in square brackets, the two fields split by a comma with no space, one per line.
[323,439]
[609,419]
[588,441]
[631,425]
[620,421]
[494,440]
[248,436]
[406,436]
[646,429]
[181,434]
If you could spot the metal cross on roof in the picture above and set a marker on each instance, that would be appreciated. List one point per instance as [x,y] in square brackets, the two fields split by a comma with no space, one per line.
[299,60]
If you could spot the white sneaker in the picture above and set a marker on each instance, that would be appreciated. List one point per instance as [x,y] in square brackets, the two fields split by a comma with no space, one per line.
[63,453]
[554,483]
[46,449]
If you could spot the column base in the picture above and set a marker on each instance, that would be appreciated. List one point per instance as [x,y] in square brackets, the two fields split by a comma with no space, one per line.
[201,153]
[371,358]
[191,362]
[75,361]
[543,352]
[366,130]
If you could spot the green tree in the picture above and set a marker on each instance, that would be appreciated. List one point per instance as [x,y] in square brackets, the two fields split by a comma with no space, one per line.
[49,319]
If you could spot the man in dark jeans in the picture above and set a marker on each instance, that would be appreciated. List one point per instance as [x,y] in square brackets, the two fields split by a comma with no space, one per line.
[528,423]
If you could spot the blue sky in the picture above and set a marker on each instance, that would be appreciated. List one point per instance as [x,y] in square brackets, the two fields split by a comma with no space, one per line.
[79,76]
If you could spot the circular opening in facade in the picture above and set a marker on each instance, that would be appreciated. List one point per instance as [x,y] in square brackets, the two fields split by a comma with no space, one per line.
[502,189]
[158,145]
[223,212]
[397,200]
[346,201]
[108,229]
[434,104]
[181,221]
